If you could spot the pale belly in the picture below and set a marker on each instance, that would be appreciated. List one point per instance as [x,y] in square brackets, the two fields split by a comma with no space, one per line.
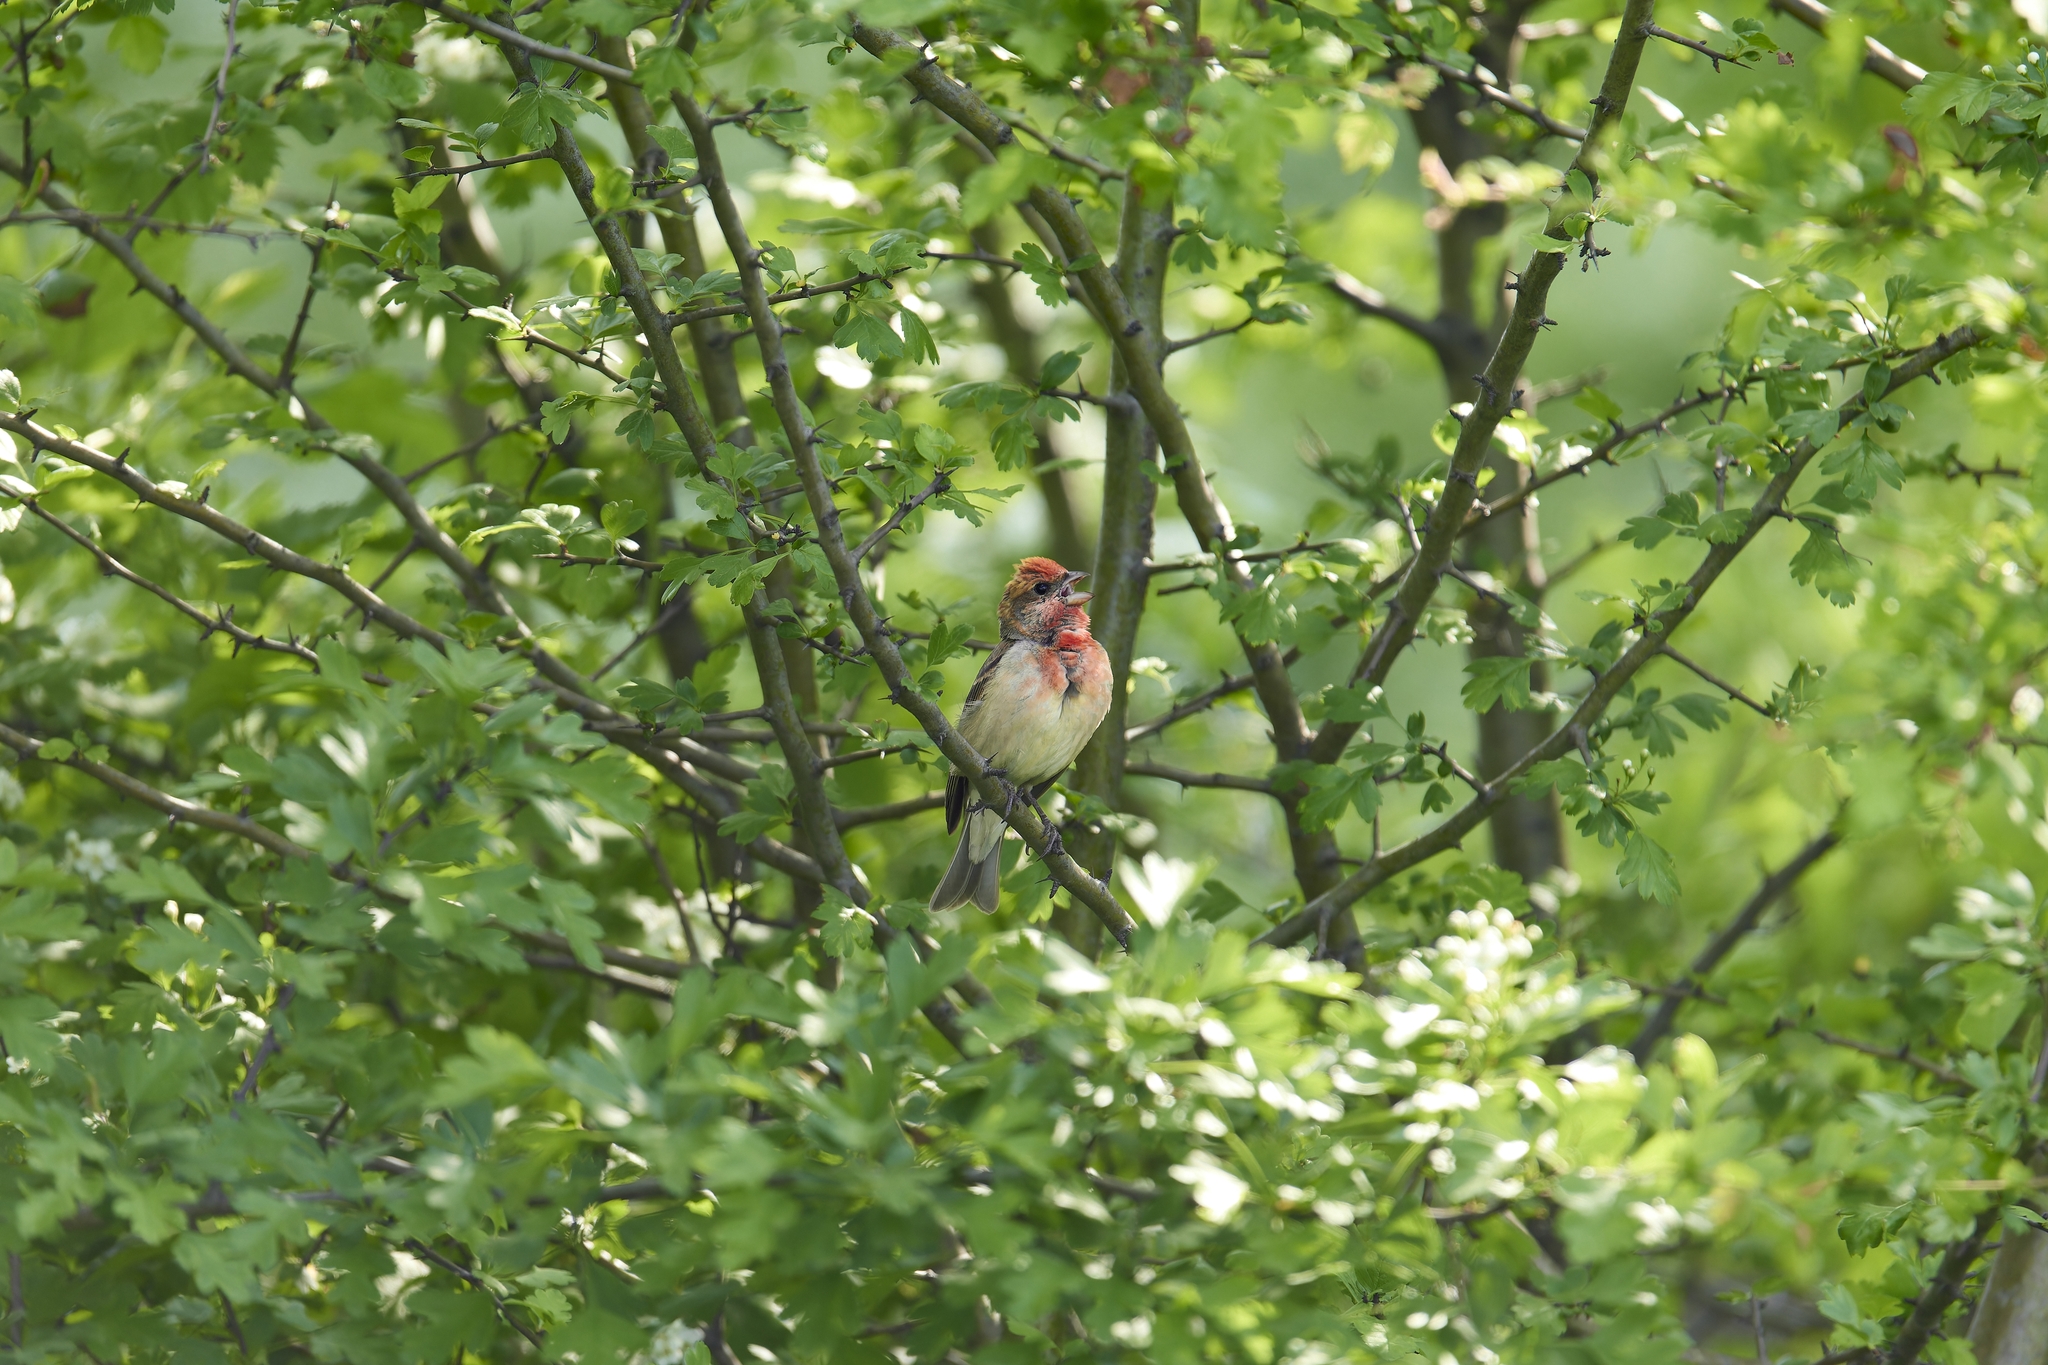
[1039,711]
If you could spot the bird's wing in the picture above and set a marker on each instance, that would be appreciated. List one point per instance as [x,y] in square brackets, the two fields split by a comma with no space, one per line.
[988,670]
[957,785]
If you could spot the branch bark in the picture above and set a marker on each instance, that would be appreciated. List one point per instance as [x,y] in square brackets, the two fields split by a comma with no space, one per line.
[1316,864]
[832,541]
[1130,457]
[1659,1024]
[1647,644]
[813,809]
[1878,60]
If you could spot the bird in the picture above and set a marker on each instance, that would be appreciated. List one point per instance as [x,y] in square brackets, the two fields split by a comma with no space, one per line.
[1033,707]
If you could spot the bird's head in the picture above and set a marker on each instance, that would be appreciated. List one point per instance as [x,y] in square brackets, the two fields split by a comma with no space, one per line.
[1040,599]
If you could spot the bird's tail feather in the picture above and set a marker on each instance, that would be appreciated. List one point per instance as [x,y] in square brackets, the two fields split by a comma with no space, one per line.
[970,877]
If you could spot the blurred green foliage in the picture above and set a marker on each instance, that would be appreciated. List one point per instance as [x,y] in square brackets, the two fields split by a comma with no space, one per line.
[412,947]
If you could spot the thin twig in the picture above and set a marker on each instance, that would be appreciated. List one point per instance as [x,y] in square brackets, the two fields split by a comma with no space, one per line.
[266,1049]
[809,291]
[1902,1054]
[1230,781]
[855,816]
[200,162]
[938,485]
[675,895]
[1231,685]
[1657,31]
[1185,343]
[472,167]
[290,356]
[223,623]
[492,431]
[433,1257]
[670,610]
[1735,693]
[1766,895]
[1878,60]
[1555,127]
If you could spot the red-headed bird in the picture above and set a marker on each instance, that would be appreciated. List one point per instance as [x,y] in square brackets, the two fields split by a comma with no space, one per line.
[1032,708]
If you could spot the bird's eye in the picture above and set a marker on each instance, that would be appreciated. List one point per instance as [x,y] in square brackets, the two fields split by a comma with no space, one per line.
[1042,589]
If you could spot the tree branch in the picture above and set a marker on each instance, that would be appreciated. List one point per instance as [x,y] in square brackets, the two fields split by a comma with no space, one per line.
[831,539]
[1734,693]
[513,38]
[1206,516]
[1185,778]
[938,485]
[814,811]
[1902,1054]
[1555,127]
[1647,645]
[1369,302]
[1195,705]
[1775,885]
[1943,1290]
[1878,60]
[1656,31]
[177,807]
[223,622]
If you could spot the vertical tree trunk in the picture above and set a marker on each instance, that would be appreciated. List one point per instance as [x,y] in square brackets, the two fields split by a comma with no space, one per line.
[1130,492]
[1528,834]
[1129,496]
[1021,354]
[718,372]
[2011,1326]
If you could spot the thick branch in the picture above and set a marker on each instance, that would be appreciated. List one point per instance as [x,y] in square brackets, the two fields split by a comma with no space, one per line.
[1943,1290]
[831,539]
[1203,510]
[1497,392]
[1647,644]
[814,811]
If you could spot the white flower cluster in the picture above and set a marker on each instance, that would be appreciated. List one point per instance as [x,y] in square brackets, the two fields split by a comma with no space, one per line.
[92,859]
[1486,943]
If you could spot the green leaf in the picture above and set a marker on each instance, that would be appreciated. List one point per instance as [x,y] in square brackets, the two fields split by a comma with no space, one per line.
[1994,997]
[1048,278]
[845,930]
[1862,463]
[946,641]
[1498,682]
[138,40]
[1869,1227]
[1014,174]
[19,305]
[1596,403]
[535,111]
[394,84]
[1648,868]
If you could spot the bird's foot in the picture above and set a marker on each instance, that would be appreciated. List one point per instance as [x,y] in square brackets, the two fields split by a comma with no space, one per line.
[1054,845]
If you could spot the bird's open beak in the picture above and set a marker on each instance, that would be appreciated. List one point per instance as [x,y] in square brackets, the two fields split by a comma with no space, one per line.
[1067,593]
